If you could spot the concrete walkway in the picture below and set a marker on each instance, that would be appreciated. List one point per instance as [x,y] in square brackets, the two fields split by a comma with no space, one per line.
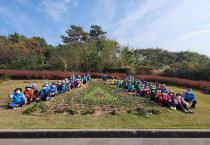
[107,141]
[104,133]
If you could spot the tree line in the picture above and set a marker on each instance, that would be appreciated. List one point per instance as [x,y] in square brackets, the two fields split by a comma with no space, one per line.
[93,51]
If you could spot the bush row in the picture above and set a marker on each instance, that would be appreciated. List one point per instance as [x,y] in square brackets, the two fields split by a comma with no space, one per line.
[22,74]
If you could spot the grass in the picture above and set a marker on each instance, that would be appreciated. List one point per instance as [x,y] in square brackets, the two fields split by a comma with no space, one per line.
[14,119]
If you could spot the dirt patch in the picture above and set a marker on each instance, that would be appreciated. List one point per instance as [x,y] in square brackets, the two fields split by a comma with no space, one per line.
[124,94]
[99,95]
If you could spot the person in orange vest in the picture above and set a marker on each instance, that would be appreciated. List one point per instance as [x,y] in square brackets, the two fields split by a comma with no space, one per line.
[29,94]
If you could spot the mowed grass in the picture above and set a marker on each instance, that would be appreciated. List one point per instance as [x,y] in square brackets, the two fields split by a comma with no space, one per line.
[13,119]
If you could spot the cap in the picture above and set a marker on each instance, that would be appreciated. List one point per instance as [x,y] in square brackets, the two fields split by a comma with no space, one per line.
[28,86]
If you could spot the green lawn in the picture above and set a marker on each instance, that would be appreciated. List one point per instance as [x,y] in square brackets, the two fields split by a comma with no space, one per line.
[13,119]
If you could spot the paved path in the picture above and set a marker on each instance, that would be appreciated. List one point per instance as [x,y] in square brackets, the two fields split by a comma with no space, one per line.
[107,141]
[104,133]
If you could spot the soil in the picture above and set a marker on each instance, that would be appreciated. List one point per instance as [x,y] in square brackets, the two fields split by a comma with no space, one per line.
[99,95]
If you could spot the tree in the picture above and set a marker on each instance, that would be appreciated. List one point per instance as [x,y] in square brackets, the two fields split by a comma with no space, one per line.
[96,32]
[75,35]
[15,38]
[41,41]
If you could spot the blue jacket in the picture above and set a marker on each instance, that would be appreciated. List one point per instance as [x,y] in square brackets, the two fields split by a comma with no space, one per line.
[84,79]
[44,94]
[18,98]
[53,89]
[71,82]
[104,77]
[88,77]
[189,96]
[64,88]
[164,90]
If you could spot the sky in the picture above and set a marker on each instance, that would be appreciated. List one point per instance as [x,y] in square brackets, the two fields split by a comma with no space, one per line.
[173,25]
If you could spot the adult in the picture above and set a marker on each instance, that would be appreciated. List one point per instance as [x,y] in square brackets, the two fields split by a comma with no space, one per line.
[44,94]
[104,77]
[189,96]
[181,104]
[88,77]
[53,90]
[59,87]
[119,83]
[35,90]
[19,99]
[29,94]
[165,100]
[112,81]
[84,80]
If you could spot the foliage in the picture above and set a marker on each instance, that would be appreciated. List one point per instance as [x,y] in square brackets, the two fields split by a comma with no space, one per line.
[92,51]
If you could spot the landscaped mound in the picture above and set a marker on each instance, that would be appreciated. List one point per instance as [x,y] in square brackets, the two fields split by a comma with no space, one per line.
[98,98]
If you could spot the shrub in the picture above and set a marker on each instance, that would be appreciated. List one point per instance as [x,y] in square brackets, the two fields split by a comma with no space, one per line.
[85,112]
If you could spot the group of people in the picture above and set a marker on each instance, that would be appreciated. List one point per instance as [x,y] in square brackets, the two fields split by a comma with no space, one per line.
[31,93]
[157,93]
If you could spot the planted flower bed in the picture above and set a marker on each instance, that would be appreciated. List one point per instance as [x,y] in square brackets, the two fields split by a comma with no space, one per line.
[97,98]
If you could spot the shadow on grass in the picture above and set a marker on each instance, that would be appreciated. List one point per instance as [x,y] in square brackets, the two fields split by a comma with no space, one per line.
[4,107]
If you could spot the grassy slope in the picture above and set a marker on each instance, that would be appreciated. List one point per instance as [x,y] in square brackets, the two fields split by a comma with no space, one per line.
[171,119]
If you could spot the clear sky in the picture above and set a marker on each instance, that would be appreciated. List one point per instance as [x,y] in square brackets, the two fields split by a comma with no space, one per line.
[174,25]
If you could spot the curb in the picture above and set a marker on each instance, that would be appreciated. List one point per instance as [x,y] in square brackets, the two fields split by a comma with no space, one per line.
[104,133]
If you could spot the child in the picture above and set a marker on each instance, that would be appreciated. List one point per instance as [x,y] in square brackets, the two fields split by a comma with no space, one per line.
[29,94]
[19,99]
